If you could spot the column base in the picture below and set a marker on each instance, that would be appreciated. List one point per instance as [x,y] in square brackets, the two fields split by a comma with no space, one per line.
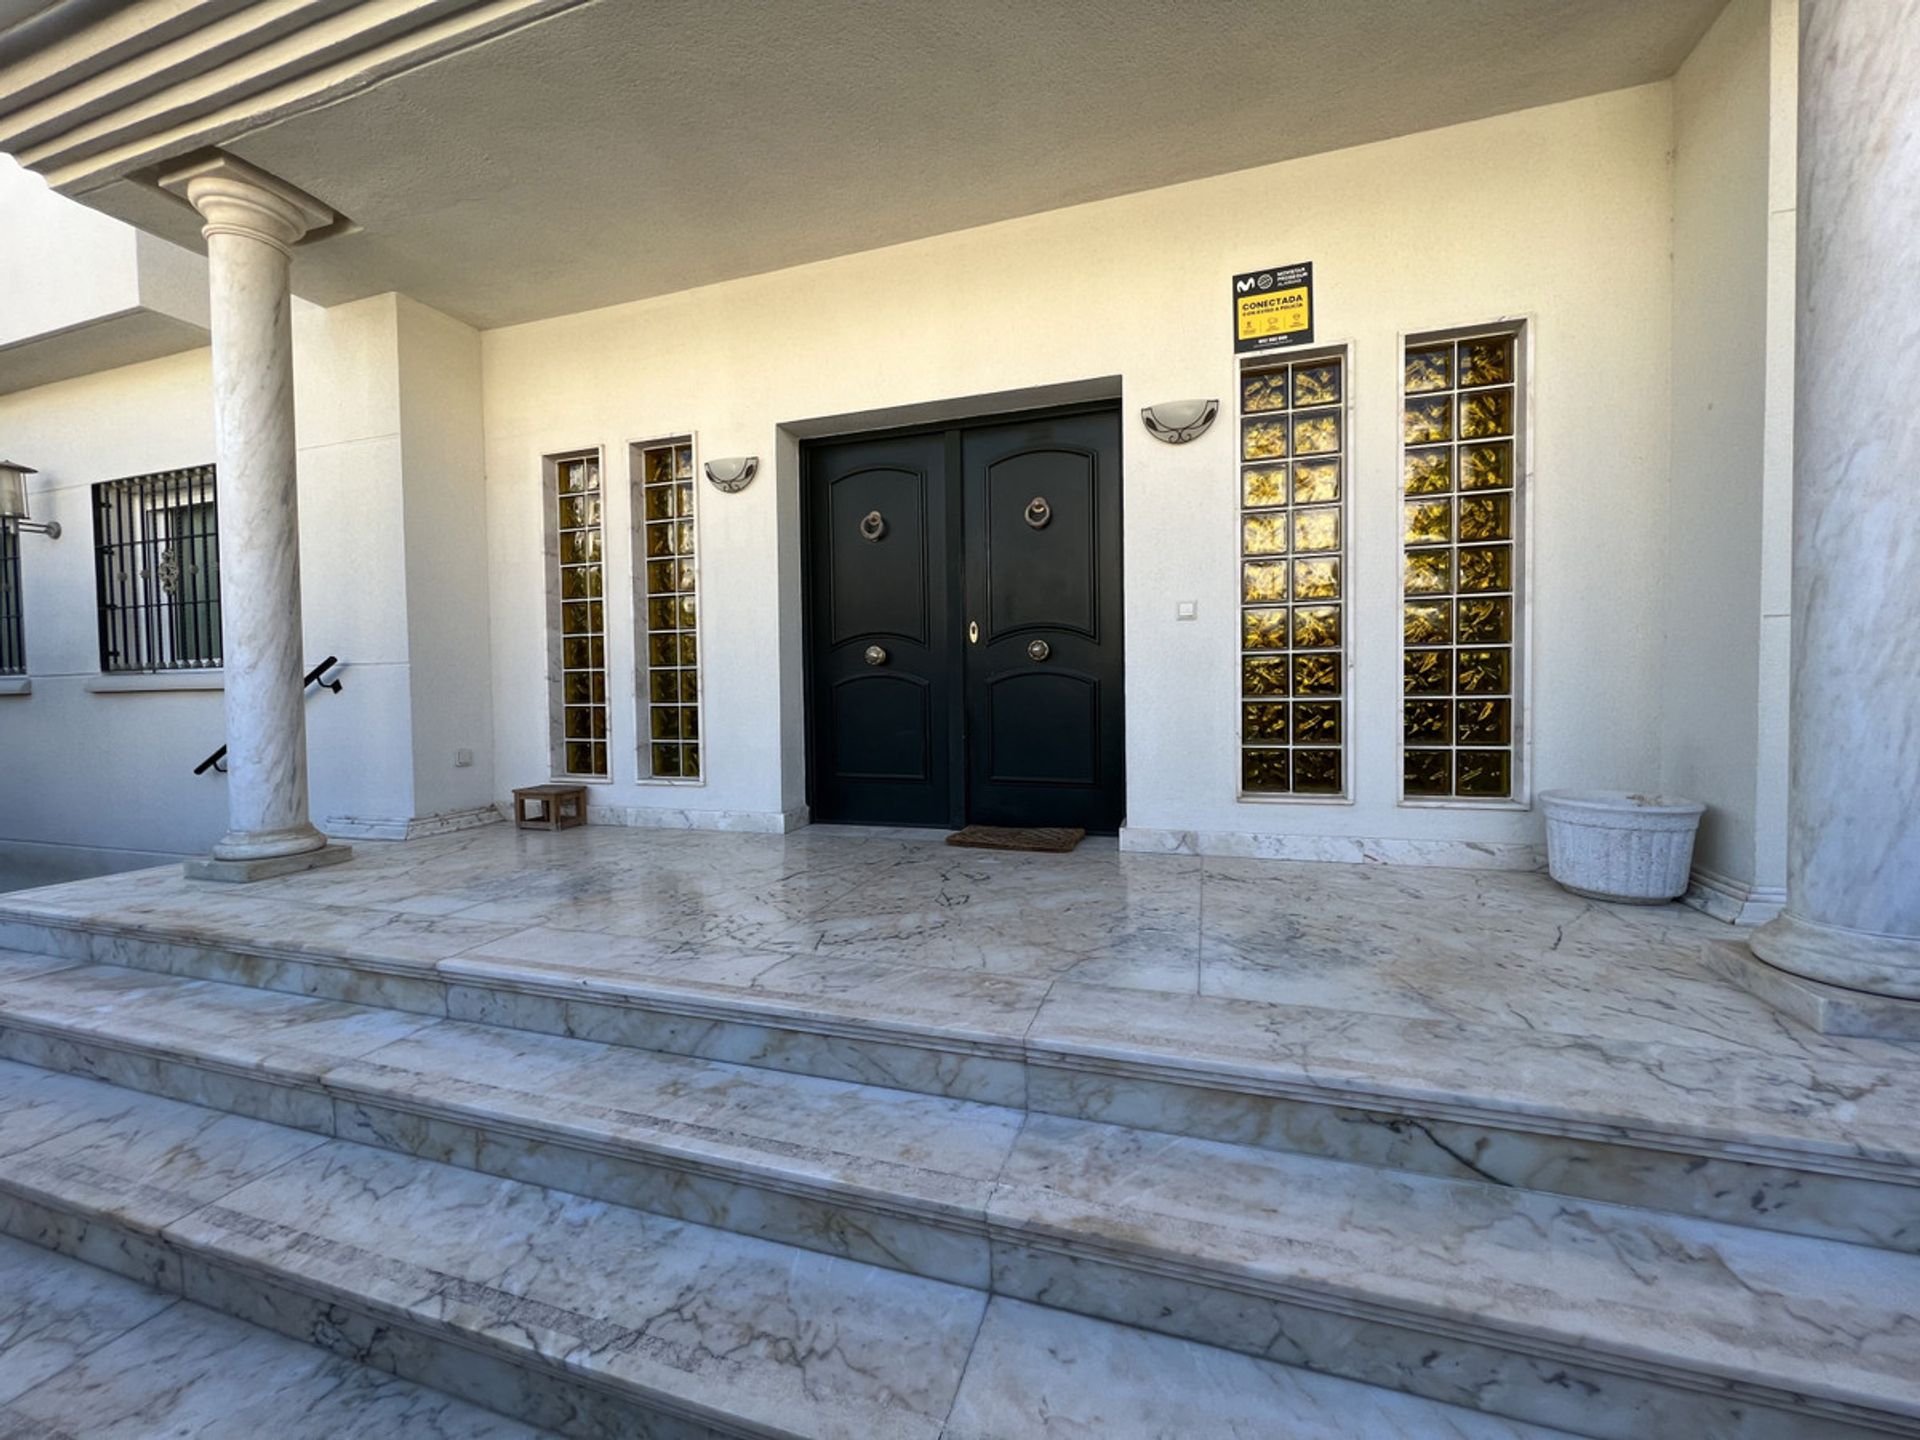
[268,866]
[1827,1009]
[1833,955]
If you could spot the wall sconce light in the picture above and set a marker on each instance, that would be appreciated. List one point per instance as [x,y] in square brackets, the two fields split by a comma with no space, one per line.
[734,473]
[13,500]
[1178,421]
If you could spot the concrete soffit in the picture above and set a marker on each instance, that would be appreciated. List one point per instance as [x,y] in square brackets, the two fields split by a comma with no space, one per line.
[114,100]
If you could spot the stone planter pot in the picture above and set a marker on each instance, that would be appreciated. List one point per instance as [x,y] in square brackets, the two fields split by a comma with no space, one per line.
[1610,845]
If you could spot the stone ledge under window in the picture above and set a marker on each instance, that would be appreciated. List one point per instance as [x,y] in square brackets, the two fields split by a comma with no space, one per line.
[157,680]
[15,685]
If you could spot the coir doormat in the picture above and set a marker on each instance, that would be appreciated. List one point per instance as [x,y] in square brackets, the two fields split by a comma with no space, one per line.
[1049,840]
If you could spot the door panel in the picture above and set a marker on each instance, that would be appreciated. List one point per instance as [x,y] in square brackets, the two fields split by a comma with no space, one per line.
[883,731]
[1044,683]
[1026,724]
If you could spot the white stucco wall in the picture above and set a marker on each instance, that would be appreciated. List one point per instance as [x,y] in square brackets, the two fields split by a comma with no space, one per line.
[1562,214]
[1724,666]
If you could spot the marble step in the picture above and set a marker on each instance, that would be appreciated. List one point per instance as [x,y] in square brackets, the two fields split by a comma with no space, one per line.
[1769,1136]
[1429,1285]
[80,1349]
[591,1319]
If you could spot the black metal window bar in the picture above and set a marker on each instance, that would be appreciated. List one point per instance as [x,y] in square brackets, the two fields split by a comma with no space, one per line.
[157,571]
[13,640]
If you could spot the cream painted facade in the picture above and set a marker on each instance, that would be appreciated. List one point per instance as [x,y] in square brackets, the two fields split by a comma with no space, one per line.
[1644,236]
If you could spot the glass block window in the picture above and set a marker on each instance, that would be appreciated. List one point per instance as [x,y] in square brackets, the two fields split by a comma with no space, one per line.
[577,614]
[1460,581]
[669,604]
[13,640]
[156,566]
[1293,524]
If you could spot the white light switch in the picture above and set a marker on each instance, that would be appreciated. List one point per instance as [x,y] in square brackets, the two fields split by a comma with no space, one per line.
[1186,610]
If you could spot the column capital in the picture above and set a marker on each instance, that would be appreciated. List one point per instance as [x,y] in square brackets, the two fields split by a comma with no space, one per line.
[235,198]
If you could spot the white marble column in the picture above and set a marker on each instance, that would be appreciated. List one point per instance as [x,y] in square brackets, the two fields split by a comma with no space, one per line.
[252,223]
[1853,859]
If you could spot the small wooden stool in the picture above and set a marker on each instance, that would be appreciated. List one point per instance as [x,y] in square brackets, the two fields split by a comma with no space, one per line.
[554,807]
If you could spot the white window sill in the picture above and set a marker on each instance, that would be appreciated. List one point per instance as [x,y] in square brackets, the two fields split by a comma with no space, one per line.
[162,680]
[15,685]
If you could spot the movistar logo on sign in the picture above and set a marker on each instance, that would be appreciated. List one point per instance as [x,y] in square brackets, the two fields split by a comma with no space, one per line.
[1273,308]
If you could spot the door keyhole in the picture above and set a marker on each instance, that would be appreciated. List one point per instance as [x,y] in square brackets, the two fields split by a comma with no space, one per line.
[973,632]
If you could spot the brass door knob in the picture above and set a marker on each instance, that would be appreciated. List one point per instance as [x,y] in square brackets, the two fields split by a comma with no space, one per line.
[875,655]
[1038,649]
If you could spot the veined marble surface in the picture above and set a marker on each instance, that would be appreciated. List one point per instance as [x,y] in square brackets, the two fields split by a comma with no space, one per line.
[894,961]
[87,1354]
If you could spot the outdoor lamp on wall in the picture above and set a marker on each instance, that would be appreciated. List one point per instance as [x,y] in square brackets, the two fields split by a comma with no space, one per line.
[1178,421]
[733,473]
[13,500]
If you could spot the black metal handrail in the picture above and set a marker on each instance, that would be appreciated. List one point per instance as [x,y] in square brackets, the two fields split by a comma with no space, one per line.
[312,677]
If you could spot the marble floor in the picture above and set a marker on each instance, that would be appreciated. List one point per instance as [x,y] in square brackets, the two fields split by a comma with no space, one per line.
[822,909]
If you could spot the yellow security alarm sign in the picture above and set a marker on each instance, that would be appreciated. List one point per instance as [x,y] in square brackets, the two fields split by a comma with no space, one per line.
[1273,308]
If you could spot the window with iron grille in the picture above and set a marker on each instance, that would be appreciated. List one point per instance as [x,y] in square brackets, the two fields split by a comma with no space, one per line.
[13,641]
[157,571]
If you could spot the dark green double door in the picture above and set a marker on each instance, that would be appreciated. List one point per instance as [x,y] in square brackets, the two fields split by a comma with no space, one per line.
[964,625]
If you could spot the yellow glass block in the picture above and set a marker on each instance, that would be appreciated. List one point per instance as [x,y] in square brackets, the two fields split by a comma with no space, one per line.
[582,617]
[1316,530]
[1485,722]
[687,604]
[658,504]
[580,582]
[688,650]
[1428,573]
[666,762]
[1316,674]
[689,685]
[1263,487]
[579,511]
[1316,481]
[1263,580]
[580,653]
[1263,771]
[662,577]
[1263,440]
[1487,467]
[575,476]
[1316,627]
[665,720]
[663,649]
[1427,420]
[1430,369]
[1486,412]
[1264,390]
[1426,722]
[1429,622]
[1429,522]
[1486,620]
[1264,534]
[1487,362]
[1484,672]
[1483,774]
[1486,517]
[690,761]
[662,612]
[1316,772]
[580,547]
[659,466]
[584,687]
[689,723]
[1316,433]
[1263,675]
[582,759]
[663,686]
[1263,629]
[1316,579]
[1486,567]
[1264,720]
[1427,773]
[1429,472]
[1316,382]
[683,499]
[1316,722]
[660,538]
[1427,672]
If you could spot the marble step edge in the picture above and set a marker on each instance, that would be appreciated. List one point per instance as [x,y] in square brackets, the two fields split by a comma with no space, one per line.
[1363,1093]
[685,1000]
[163,1256]
[334,1085]
[1222,1076]
[1479,1327]
[1635,1363]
